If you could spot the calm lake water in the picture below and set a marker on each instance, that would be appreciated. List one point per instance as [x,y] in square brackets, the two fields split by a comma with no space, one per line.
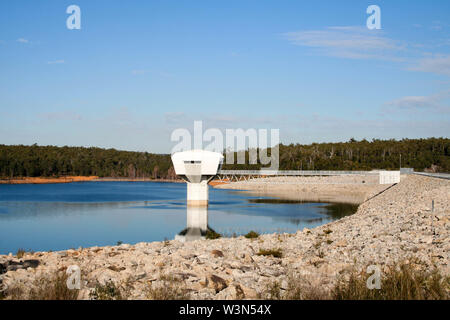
[63,216]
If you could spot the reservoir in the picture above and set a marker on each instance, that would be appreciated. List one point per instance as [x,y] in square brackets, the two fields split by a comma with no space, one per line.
[42,217]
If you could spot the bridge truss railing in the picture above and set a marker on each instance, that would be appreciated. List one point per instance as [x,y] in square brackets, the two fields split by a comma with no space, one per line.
[434,175]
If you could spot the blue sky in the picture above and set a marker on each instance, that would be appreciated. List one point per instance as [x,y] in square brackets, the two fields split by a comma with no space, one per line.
[139,69]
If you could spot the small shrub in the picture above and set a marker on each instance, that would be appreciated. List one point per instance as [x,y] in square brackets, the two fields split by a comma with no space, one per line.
[211,235]
[321,254]
[119,242]
[270,252]
[167,288]
[317,244]
[329,241]
[327,231]
[252,235]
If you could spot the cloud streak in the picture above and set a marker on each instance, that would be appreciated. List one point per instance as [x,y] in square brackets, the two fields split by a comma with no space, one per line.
[350,42]
[439,64]
[56,62]
[60,116]
[23,40]
[433,103]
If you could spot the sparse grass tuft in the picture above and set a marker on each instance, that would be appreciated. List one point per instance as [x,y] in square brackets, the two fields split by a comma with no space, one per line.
[53,288]
[20,253]
[166,242]
[401,282]
[272,291]
[252,235]
[212,235]
[277,253]
[167,288]
[327,231]
[108,291]
[14,293]
[297,289]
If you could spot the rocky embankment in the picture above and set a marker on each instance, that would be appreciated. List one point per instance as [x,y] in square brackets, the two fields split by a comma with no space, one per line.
[398,224]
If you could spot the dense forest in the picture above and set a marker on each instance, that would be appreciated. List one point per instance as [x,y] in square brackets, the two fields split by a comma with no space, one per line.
[432,154]
[34,161]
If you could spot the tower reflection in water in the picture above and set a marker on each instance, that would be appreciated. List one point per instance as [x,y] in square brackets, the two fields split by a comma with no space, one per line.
[196,224]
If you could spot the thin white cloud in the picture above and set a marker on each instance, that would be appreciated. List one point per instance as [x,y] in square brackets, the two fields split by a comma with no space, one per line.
[439,64]
[352,42]
[434,103]
[138,72]
[60,116]
[413,102]
[175,117]
[437,25]
[56,62]
[166,75]
[23,40]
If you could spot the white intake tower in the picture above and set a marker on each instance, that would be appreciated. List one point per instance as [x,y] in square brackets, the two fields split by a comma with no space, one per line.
[197,168]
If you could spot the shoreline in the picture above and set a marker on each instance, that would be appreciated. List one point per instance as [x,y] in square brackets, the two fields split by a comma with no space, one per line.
[396,225]
[337,189]
[70,179]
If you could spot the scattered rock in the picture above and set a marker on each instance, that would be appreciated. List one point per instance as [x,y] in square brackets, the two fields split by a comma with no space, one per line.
[217,253]
[115,268]
[217,283]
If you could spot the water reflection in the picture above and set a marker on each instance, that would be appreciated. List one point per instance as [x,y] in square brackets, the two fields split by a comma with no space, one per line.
[57,217]
[196,224]
[313,214]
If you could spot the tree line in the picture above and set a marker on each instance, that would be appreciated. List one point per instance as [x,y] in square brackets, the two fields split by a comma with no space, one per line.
[47,161]
[431,154]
